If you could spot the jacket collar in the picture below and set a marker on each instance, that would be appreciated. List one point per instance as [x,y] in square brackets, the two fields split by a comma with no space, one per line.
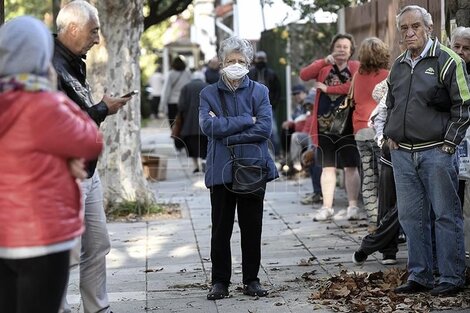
[433,51]
[243,84]
[63,50]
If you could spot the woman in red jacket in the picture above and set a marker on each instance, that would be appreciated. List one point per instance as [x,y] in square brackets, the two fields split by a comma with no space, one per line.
[42,132]
[332,77]
[374,57]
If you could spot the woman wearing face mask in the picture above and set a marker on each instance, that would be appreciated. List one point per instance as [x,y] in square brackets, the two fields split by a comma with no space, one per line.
[245,126]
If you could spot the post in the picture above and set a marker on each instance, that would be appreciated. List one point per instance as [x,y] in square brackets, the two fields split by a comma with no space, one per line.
[55,11]
[288,77]
[2,12]
[236,25]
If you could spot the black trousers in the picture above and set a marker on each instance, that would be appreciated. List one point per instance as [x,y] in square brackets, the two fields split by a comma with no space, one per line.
[155,104]
[250,219]
[172,112]
[34,284]
[286,136]
[385,239]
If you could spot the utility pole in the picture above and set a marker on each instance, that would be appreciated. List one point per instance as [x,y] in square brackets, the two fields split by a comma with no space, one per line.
[236,25]
[262,14]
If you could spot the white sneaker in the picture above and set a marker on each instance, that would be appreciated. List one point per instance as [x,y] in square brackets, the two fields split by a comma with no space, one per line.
[323,214]
[353,213]
[341,215]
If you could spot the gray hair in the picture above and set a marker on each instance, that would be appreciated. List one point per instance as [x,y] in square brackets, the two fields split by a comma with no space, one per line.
[427,18]
[78,12]
[235,44]
[460,32]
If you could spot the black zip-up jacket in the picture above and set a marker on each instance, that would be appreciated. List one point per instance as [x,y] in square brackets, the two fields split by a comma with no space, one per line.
[71,72]
[428,105]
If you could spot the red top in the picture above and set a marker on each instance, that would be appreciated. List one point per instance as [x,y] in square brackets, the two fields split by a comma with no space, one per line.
[39,198]
[364,84]
[319,70]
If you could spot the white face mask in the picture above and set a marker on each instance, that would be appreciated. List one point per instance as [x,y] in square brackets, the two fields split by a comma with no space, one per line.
[235,71]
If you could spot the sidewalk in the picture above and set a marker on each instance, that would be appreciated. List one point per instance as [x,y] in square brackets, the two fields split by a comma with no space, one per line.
[164,265]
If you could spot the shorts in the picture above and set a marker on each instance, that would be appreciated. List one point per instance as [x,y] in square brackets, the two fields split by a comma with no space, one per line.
[336,151]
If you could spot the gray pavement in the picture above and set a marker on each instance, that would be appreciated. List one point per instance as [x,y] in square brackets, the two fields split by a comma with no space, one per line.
[164,265]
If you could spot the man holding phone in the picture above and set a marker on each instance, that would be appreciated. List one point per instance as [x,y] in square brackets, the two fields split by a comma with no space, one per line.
[78,30]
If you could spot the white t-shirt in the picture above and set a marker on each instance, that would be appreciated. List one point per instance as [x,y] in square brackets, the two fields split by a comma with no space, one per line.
[156,84]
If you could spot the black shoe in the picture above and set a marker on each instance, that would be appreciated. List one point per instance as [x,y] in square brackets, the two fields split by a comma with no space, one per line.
[359,257]
[411,287]
[196,170]
[218,291]
[445,289]
[389,259]
[254,289]
[401,238]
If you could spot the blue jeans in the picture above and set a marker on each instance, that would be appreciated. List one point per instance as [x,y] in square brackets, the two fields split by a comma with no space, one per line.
[427,180]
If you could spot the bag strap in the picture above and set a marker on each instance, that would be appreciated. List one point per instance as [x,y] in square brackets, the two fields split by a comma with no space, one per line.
[225,111]
[338,72]
[223,102]
[174,83]
[350,94]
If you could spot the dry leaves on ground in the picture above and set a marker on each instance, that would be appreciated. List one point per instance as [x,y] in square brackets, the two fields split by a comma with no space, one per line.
[373,292]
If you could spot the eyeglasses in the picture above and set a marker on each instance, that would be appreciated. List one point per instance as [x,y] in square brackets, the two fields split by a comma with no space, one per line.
[233,61]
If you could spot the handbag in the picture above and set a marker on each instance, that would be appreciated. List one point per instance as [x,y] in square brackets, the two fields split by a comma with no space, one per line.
[342,121]
[177,126]
[246,178]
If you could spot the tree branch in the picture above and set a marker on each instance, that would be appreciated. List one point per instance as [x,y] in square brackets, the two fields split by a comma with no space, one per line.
[158,14]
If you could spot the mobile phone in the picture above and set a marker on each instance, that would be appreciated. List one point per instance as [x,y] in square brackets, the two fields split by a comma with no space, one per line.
[130,94]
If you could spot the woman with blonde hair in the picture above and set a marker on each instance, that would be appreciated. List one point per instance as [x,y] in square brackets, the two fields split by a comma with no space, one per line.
[374,58]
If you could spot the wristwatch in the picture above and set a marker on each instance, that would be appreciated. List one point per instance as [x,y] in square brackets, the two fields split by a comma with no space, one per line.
[448,149]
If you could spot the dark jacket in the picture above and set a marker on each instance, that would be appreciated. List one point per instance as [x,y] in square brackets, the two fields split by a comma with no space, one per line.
[250,140]
[428,105]
[71,72]
[188,106]
[268,77]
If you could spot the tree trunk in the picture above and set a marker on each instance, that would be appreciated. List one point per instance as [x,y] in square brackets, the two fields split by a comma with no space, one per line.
[463,13]
[2,11]
[114,68]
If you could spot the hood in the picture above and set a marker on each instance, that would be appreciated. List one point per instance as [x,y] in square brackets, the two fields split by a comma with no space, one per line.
[26,46]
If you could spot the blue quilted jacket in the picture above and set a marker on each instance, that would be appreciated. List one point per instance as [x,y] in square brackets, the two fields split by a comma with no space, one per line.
[249,139]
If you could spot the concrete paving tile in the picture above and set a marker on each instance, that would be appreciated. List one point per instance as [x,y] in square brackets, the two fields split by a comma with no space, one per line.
[189,304]
[161,281]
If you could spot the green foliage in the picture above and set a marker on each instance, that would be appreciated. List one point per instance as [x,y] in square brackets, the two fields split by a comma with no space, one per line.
[125,208]
[37,8]
[308,8]
[151,43]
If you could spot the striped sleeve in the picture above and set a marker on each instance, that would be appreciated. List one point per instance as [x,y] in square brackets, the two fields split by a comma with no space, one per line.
[454,76]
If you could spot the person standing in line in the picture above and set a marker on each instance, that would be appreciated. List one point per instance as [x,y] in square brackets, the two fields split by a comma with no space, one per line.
[78,31]
[44,136]
[299,93]
[385,238]
[427,116]
[188,107]
[174,82]
[265,75]
[332,77]
[374,61]
[156,87]
[460,43]
[212,72]
[243,124]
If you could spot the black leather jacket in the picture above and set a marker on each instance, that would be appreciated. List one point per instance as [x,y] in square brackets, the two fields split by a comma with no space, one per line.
[71,72]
